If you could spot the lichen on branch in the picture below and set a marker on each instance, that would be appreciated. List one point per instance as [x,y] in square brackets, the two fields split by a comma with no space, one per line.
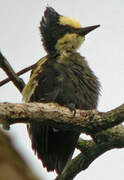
[90,122]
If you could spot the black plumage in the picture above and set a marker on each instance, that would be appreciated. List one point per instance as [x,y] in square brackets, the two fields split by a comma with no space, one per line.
[63,77]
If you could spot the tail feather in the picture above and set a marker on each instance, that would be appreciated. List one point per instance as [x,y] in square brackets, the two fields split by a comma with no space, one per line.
[53,147]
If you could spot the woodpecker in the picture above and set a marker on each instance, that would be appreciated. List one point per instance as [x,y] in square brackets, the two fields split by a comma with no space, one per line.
[63,76]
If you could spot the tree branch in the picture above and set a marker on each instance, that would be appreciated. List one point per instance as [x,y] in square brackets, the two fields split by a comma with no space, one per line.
[3,82]
[111,138]
[4,64]
[90,122]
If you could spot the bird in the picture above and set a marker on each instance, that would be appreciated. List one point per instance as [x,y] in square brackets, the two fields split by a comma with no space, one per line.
[63,76]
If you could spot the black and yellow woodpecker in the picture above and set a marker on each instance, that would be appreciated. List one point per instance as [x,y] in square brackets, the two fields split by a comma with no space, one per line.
[62,76]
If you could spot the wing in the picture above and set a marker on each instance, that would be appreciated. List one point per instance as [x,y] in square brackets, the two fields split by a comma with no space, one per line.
[38,87]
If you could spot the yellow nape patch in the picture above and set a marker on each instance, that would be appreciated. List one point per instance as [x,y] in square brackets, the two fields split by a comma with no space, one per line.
[69,21]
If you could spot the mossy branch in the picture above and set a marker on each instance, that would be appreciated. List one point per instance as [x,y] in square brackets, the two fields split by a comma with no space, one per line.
[90,150]
[90,122]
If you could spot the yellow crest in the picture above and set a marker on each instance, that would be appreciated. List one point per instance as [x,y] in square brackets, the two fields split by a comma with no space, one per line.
[69,21]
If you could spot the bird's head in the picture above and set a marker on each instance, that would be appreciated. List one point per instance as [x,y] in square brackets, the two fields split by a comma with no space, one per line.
[60,33]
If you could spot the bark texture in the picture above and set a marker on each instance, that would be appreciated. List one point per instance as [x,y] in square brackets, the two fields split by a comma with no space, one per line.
[90,122]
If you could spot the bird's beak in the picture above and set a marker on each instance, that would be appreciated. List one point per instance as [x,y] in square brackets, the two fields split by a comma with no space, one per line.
[86,30]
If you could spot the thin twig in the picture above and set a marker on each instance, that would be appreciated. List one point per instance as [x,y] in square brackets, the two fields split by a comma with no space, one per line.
[4,64]
[3,82]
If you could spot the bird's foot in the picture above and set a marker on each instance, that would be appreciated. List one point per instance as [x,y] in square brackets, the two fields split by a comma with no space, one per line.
[71,106]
